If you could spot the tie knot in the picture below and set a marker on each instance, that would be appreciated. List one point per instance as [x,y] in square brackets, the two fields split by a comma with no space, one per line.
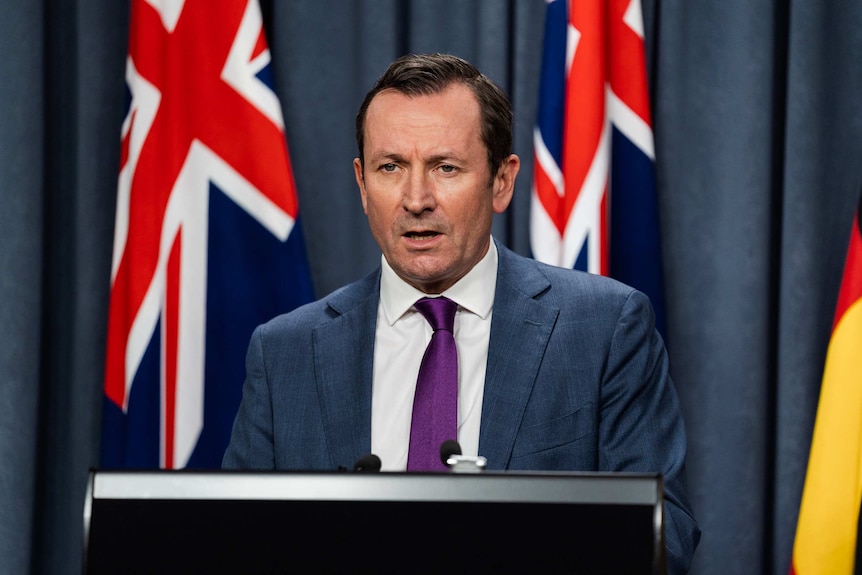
[439,311]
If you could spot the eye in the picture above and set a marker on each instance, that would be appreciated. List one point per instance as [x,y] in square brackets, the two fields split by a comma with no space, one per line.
[390,167]
[447,169]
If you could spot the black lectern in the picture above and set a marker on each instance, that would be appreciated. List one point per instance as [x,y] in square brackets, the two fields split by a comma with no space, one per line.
[346,522]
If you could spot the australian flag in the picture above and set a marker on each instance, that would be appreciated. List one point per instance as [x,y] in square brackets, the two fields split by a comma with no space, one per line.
[594,202]
[207,242]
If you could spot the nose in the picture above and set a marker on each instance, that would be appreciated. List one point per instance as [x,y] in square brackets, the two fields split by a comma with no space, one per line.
[418,193]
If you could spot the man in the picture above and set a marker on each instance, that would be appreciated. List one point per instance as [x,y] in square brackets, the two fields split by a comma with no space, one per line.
[556,369]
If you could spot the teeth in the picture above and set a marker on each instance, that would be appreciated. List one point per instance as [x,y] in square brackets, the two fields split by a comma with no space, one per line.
[424,236]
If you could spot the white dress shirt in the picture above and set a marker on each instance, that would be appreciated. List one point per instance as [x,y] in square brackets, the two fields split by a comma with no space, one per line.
[400,341]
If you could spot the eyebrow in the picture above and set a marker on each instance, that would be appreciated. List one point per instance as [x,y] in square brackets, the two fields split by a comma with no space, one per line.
[434,159]
[390,156]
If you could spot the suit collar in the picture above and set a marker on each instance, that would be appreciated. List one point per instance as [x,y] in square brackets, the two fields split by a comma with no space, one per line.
[520,329]
[343,354]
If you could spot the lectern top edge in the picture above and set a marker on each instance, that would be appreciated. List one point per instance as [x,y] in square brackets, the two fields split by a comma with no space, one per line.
[557,487]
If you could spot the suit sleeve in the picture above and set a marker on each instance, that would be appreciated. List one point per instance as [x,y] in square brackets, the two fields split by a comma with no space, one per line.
[641,427]
[251,442]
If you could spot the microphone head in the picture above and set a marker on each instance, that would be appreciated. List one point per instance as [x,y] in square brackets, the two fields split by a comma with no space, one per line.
[449,448]
[368,462]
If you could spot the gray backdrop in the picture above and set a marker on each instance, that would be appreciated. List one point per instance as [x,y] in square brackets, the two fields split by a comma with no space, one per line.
[758,125]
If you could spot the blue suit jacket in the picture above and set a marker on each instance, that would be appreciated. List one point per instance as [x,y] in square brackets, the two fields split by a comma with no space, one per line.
[577,380]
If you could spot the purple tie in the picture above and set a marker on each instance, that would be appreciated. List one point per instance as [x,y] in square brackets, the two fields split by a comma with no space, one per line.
[435,405]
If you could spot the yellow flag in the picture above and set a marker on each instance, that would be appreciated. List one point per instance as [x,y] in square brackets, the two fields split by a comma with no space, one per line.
[826,531]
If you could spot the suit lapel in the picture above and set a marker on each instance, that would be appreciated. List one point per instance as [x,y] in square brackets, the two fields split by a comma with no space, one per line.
[343,357]
[520,329]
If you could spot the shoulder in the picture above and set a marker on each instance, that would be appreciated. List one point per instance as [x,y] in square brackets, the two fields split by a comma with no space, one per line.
[561,287]
[323,310]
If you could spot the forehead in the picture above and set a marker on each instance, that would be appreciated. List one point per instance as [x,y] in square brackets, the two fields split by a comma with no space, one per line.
[452,114]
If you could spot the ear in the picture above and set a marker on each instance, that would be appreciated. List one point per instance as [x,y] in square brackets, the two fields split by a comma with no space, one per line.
[504,183]
[360,181]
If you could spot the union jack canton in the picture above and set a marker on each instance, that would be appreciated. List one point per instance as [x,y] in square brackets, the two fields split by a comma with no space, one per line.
[594,202]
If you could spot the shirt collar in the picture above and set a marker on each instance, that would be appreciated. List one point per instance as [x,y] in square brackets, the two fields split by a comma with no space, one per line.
[473,292]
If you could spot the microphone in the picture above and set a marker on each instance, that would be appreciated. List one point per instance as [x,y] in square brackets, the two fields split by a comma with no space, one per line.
[368,462]
[450,455]
[449,448]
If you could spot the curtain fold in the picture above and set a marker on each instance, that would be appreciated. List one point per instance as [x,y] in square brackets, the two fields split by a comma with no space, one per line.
[22,182]
[715,90]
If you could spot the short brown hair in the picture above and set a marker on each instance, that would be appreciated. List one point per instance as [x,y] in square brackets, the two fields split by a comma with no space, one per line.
[427,74]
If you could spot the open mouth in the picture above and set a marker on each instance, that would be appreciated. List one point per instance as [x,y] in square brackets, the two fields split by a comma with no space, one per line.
[420,236]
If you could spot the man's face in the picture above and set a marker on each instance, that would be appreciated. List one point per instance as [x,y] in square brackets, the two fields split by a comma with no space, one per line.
[426,187]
